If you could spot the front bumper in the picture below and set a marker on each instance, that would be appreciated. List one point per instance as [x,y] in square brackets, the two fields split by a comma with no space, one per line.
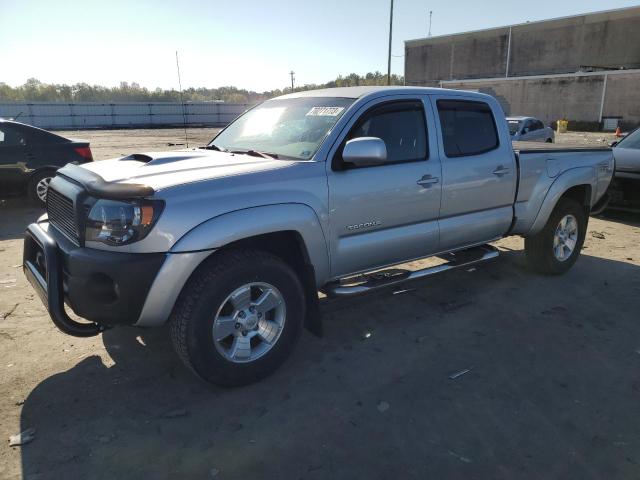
[107,288]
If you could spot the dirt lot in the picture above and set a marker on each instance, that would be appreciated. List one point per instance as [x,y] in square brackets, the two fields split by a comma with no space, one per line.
[553,389]
[113,143]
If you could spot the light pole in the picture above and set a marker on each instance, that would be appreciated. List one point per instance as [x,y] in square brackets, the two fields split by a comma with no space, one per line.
[390,37]
[292,73]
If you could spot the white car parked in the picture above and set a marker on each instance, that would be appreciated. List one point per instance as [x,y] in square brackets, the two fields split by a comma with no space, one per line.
[529,129]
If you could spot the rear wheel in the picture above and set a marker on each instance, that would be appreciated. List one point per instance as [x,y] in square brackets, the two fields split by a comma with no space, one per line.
[557,246]
[238,317]
[38,186]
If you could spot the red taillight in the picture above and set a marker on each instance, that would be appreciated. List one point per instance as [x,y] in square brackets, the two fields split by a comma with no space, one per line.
[84,152]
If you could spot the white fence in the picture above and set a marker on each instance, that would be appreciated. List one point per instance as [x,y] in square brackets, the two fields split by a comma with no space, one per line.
[54,115]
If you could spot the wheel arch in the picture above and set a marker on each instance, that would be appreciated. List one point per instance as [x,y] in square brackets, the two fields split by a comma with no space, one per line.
[576,183]
[293,222]
[292,232]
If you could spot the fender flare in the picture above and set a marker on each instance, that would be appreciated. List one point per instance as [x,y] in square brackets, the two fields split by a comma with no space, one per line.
[250,222]
[200,242]
[571,178]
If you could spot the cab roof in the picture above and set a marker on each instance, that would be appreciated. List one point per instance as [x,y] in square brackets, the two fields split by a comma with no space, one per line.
[363,91]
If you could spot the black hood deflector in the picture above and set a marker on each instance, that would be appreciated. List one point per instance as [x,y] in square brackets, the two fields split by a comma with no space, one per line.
[98,187]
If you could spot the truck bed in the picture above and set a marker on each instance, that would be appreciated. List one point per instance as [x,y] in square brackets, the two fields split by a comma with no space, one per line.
[540,165]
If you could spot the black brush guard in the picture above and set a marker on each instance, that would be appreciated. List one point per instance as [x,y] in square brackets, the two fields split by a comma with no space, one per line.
[42,266]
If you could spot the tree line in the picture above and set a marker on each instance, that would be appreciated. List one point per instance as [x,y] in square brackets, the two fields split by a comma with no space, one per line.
[34,90]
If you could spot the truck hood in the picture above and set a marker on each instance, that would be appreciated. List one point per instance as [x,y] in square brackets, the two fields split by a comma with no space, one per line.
[161,170]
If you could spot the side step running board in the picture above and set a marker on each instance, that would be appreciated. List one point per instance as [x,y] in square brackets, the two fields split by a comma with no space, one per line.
[386,278]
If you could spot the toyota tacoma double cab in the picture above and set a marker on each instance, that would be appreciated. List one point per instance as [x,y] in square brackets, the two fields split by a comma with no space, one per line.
[313,191]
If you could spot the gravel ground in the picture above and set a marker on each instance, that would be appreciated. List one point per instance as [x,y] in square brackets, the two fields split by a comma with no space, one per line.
[113,143]
[552,389]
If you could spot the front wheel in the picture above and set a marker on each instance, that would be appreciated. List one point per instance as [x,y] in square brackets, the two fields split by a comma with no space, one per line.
[557,246]
[238,317]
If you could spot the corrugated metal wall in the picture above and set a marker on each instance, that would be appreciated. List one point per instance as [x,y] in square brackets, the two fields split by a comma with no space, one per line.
[52,115]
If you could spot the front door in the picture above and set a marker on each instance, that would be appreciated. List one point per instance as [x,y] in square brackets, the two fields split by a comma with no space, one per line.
[385,214]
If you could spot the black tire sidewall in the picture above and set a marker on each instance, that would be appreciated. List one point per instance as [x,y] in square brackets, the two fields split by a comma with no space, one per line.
[205,358]
[566,206]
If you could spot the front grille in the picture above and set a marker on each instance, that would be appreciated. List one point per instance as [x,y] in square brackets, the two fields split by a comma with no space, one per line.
[62,214]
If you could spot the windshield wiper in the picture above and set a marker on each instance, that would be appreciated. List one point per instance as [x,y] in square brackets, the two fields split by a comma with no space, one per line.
[256,153]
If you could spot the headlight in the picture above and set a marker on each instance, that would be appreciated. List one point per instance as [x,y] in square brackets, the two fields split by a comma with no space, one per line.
[119,223]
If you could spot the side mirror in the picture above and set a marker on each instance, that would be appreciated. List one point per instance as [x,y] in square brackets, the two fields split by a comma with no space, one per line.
[614,143]
[525,130]
[365,152]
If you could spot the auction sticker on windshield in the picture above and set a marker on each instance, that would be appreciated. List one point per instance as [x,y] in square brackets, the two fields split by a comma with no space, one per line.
[325,111]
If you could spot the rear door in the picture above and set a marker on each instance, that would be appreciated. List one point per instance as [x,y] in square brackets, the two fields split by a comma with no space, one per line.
[385,214]
[13,159]
[478,171]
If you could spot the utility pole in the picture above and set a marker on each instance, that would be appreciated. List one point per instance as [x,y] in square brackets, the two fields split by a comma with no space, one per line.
[390,38]
[292,73]
[430,15]
[184,113]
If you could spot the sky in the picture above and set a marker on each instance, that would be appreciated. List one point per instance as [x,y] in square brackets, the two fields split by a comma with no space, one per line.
[245,43]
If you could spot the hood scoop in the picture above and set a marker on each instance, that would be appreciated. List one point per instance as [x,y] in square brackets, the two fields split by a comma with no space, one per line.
[161,160]
[138,157]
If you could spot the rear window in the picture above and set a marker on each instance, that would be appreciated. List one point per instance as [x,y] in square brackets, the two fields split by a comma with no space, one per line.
[468,127]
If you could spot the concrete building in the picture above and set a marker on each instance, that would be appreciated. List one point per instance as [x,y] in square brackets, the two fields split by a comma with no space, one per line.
[584,68]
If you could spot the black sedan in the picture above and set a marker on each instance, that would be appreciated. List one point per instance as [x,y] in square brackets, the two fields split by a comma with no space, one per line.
[30,156]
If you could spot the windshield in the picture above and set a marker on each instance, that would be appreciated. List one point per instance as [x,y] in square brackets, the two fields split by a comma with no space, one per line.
[631,141]
[514,126]
[287,128]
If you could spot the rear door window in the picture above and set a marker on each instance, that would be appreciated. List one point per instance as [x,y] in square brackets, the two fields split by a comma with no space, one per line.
[11,137]
[468,127]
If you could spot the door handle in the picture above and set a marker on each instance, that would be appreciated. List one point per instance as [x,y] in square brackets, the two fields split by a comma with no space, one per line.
[500,171]
[427,181]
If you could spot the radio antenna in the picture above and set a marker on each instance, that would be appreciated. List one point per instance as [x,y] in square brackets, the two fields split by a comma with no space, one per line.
[184,114]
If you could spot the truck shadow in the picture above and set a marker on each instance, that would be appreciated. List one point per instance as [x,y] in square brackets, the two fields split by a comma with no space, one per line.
[618,216]
[552,382]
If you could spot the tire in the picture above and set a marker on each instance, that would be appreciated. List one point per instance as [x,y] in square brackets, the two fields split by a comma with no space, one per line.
[549,140]
[35,184]
[205,301]
[541,250]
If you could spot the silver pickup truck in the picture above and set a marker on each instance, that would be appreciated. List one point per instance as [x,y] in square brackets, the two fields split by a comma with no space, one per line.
[313,191]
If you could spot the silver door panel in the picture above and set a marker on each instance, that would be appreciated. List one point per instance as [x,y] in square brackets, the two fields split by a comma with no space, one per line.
[474,227]
[369,250]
